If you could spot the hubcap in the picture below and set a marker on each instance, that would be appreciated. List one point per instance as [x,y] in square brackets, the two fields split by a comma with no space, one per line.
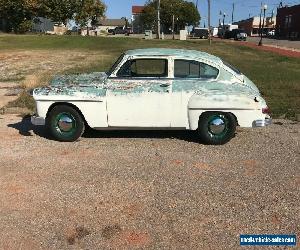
[217,125]
[65,123]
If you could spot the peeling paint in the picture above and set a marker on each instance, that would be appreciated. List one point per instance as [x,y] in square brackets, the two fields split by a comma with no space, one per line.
[81,85]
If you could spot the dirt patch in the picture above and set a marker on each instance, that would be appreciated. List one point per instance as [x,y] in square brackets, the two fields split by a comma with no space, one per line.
[76,234]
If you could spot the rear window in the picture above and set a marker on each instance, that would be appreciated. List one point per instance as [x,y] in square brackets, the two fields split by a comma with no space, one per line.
[232,68]
[194,69]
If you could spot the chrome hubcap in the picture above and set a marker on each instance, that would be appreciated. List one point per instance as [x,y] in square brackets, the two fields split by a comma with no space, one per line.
[217,126]
[65,123]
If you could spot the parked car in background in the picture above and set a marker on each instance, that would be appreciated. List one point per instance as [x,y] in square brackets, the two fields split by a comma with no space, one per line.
[120,30]
[154,89]
[201,33]
[236,34]
[271,33]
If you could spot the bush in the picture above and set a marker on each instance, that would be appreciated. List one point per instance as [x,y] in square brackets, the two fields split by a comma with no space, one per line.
[23,27]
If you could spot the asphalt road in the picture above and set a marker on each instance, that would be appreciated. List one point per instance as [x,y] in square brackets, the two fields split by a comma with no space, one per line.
[146,190]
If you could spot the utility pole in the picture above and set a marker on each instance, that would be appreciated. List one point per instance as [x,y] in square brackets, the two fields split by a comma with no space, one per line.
[158,19]
[260,18]
[173,26]
[224,15]
[232,13]
[208,17]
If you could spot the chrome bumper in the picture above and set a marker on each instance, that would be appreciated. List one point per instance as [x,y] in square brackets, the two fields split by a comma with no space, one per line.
[262,123]
[37,121]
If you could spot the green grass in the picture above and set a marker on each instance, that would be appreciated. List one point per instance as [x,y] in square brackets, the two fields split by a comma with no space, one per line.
[278,77]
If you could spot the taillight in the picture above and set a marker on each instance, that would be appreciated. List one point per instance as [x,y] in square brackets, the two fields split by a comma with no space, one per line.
[266,110]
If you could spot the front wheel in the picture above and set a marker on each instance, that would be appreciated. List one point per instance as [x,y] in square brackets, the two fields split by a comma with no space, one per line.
[65,123]
[216,128]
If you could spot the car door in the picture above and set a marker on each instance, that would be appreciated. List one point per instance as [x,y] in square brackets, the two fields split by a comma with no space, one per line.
[140,94]
[190,76]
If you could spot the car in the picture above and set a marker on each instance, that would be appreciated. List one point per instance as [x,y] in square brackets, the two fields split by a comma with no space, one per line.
[120,30]
[154,89]
[271,33]
[236,34]
[201,33]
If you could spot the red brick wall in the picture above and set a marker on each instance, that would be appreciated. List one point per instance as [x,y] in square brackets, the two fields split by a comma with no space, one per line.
[294,30]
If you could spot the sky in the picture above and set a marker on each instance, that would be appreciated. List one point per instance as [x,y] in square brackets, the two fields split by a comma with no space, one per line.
[243,8]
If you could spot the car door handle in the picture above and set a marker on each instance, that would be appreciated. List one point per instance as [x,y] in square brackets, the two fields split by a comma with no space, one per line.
[164,85]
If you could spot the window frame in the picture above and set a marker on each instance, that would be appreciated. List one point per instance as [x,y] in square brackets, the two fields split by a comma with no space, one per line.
[192,78]
[164,75]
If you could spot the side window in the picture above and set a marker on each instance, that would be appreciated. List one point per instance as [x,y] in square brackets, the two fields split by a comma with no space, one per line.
[144,68]
[194,69]
[207,71]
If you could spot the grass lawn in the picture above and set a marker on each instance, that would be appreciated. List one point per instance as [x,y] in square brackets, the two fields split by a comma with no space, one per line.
[277,77]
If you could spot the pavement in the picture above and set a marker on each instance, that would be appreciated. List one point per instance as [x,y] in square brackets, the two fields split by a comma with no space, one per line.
[146,190]
[287,44]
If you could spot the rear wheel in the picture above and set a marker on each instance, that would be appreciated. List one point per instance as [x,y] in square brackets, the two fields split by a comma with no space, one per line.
[216,128]
[65,123]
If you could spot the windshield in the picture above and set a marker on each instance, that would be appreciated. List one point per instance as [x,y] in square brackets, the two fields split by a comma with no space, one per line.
[112,69]
[232,68]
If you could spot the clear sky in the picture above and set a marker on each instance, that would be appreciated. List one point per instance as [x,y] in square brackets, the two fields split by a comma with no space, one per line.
[243,8]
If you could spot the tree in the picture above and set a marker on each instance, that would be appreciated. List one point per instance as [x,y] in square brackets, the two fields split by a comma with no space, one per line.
[18,14]
[59,11]
[89,11]
[185,14]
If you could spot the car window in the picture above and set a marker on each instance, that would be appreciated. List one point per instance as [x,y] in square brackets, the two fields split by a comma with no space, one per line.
[144,68]
[114,66]
[194,69]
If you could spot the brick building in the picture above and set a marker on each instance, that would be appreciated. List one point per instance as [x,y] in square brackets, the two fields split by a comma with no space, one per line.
[288,22]
[137,25]
[251,25]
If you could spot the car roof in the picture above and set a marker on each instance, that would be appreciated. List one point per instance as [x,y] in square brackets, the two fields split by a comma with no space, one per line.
[189,54]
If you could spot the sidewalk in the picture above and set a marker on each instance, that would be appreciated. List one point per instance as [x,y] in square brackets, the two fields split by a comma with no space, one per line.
[285,51]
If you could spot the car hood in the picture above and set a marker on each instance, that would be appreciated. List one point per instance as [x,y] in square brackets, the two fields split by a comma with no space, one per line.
[92,79]
[79,86]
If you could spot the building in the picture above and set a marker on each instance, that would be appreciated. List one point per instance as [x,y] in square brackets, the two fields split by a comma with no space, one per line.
[252,25]
[288,22]
[43,25]
[137,24]
[106,24]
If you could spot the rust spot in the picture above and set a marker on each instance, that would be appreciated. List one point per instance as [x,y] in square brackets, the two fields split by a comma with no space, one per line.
[202,165]
[15,189]
[251,167]
[178,162]
[275,219]
[132,209]
[136,239]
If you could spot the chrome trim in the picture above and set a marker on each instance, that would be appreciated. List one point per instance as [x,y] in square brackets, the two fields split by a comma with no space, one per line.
[38,121]
[68,101]
[262,123]
[219,109]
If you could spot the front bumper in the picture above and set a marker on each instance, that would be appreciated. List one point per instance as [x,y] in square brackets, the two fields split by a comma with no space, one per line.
[38,121]
[262,123]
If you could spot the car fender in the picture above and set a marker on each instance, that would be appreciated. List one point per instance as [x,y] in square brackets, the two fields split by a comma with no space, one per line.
[245,108]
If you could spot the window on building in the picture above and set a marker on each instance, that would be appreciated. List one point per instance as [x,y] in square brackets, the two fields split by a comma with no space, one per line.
[288,21]
[194,69]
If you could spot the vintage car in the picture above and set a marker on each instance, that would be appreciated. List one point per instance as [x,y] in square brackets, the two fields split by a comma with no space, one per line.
[154,89]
